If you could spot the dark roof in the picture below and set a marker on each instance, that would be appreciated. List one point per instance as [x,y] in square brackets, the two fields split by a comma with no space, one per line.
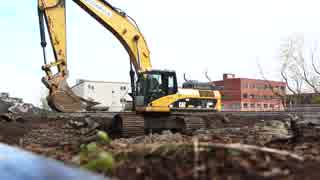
[272,81]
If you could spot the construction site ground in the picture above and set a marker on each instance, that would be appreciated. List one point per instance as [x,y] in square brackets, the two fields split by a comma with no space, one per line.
[238,149]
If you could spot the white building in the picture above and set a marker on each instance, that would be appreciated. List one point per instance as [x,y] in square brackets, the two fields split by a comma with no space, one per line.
[112,96]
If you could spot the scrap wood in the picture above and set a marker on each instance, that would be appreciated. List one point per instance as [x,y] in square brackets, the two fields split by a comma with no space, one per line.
[251,148]
[237,146]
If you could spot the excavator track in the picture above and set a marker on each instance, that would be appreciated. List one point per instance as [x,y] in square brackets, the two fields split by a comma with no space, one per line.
[132,125]
[193,123]
[129,124]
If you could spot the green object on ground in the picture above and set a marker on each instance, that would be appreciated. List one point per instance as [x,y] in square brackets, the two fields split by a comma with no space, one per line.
[103,162]
[103,136]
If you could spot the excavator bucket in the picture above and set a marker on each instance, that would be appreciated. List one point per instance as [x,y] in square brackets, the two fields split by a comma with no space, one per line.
[63,99]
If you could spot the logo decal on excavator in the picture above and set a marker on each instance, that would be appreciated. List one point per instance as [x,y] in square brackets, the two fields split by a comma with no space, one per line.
[100,8]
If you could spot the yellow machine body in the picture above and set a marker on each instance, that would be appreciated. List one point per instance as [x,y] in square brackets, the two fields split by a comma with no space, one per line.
[165,104]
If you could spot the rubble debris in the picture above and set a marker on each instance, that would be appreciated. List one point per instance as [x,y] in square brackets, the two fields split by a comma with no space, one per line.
[20,108]
[15,105]
[4,106]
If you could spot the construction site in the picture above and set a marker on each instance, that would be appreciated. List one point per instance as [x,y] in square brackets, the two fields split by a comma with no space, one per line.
[153,127]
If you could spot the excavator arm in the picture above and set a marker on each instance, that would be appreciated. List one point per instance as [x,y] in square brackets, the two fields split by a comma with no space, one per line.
[52,15]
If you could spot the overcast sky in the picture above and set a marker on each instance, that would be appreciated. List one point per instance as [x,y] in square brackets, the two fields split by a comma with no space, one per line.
[183,35]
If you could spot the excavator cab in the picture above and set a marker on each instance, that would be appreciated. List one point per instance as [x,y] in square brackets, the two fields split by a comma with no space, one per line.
[152,85]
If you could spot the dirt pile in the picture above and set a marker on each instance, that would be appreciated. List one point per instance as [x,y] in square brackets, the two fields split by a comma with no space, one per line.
[206,154]
[176,156]
[208,161]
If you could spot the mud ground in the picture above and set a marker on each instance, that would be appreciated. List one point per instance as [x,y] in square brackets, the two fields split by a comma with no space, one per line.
[178,156]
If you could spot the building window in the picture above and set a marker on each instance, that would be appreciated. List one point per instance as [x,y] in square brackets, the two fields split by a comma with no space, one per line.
[246,85]
[123,88]
[259,105]
[265,105]
[235,106]
[245,95]
[252,96]
[252,105]
[245,105]
[91,87]
[271,105]
[123,100]
[260,86]
[225,97]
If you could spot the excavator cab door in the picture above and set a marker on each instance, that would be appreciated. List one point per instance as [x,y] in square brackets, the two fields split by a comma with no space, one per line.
[153,85]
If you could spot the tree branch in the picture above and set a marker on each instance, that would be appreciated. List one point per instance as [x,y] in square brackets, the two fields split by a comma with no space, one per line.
[282,96]
[313,63]
[285,78]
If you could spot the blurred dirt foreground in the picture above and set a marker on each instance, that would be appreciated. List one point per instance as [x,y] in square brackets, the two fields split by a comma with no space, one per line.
[233,150]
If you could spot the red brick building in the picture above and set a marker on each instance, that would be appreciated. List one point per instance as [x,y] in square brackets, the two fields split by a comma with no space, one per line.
[242,94]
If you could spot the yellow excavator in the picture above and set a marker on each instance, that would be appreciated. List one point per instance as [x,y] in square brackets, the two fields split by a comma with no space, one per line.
[157,101]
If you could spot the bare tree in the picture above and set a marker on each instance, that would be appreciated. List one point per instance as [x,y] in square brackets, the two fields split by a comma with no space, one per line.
[289,69]
[299,61]
[207,76]
[299,67]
